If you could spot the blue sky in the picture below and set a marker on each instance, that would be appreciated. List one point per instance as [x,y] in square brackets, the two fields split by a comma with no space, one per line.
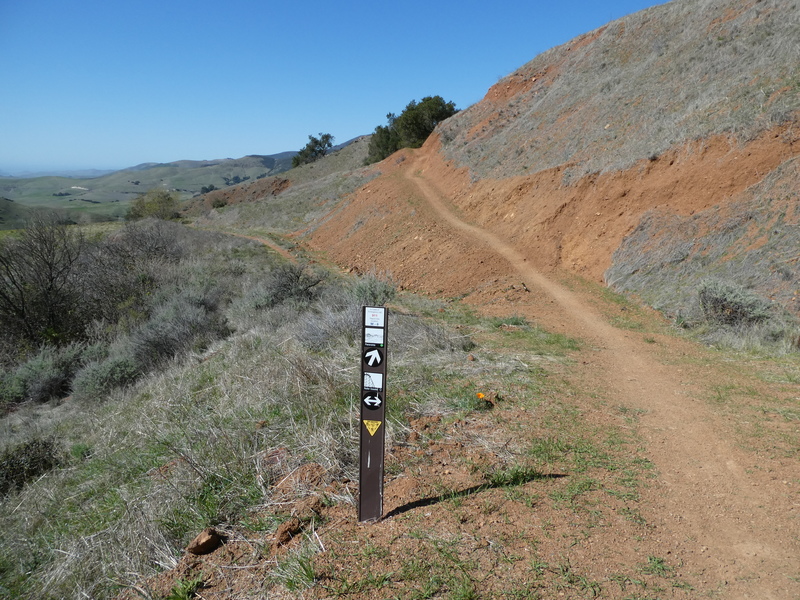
[110,84]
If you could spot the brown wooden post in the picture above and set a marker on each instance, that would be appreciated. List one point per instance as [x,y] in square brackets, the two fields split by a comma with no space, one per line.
[373,412]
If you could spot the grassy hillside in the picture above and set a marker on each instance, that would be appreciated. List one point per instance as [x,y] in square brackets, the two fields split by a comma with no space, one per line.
[304,194]
[107,197]
[208,439]
[12,214]
[630,90]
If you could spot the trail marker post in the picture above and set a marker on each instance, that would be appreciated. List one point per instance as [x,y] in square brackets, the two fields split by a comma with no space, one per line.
[373,412]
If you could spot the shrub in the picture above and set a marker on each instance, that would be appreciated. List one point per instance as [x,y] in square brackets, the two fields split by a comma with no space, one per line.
[184,322]
[291,282]
[329,326]
[374,289]
[100,377]
[46,376]
[159,204]
[384,142]
[338,318]
[12,391]
[729,304]
[126,268]
[24,462]
[39,292]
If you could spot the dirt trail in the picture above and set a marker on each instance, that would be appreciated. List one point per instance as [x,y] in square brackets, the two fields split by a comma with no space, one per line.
[268,243]
[713,501]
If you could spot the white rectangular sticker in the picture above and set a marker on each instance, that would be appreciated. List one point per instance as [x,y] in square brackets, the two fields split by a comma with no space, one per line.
[373,336]
[376,317]
[373,381]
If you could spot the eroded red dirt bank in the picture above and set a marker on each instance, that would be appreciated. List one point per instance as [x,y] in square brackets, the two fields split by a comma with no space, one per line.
[576,227]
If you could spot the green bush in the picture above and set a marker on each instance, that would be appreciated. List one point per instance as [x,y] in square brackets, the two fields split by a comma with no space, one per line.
[12,391]
[384,142]
[728,304]
[100,377]
[184,322]
[24,462]
[410,129]
[374,289]
[46,376]
[159,204]
[338,317]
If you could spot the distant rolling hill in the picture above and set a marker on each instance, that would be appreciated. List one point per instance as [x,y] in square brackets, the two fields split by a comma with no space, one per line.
[108,196]
[80,173]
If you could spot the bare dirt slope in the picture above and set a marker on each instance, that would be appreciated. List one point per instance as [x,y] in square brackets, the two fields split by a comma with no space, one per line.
[731,512]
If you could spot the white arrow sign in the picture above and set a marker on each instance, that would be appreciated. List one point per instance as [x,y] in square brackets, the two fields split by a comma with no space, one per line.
[373,357]
[372,401]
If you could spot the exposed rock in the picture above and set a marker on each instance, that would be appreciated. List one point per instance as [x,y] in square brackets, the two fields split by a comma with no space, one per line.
[286,531]
[308,508]
[206,542]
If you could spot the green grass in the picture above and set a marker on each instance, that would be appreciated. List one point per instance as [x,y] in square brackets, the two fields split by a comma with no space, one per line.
[513,475]
[656,566]
[296,571]
[574,490]
[570,579]
[512,321]
[185,589]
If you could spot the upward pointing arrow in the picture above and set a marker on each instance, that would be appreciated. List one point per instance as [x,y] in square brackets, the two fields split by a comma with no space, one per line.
[373,357]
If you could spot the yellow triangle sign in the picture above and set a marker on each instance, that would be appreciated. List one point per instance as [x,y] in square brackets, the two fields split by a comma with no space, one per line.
[372,426]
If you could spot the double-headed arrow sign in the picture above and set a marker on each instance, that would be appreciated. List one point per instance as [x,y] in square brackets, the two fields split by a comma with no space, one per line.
[372,401]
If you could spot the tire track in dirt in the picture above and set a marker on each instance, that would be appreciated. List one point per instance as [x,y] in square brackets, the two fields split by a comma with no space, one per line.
[713,503]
